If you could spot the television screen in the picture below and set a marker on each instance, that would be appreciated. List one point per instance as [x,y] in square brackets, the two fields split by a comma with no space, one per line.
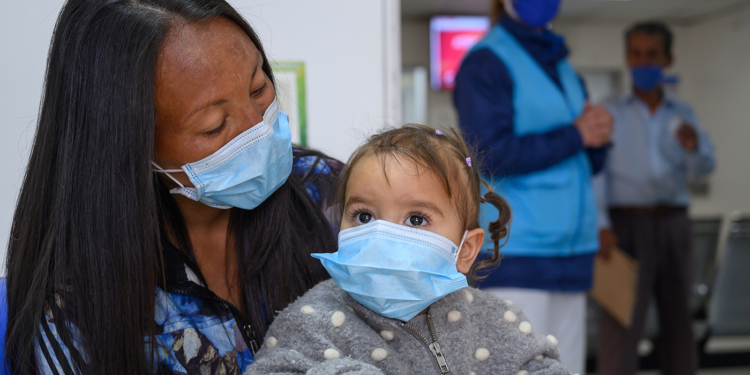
[451,37]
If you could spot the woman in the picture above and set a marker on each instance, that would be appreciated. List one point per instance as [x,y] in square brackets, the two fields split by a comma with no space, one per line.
[162,204]
[519,98]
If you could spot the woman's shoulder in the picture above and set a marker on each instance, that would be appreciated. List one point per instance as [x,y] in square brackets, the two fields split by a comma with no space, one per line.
[310,162]
[318,175]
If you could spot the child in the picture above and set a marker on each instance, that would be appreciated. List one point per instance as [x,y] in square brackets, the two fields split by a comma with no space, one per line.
[398,302]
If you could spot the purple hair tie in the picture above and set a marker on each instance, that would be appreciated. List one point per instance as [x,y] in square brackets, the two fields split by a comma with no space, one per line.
[438,132]
[468,162]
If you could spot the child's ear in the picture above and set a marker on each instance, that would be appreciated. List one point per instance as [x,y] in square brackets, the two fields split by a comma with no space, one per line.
[470,250]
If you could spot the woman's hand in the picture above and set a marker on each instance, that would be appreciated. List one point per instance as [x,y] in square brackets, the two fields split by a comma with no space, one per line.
[595,126]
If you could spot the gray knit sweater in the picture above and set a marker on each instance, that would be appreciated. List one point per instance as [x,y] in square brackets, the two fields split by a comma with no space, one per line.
[328,332]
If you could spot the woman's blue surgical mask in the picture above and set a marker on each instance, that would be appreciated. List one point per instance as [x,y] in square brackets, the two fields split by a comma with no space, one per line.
[394,270]
[245,171]
[646,77]
[534,13]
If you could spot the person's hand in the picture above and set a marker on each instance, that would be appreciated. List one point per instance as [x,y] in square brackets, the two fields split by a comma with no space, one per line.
[607,243]
[595,126]
[688,137]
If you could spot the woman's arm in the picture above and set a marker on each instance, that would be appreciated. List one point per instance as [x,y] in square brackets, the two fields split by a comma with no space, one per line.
[53,356]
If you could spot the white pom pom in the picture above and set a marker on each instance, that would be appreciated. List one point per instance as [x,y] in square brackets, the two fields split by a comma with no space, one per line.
[331,354]
[386,334]
[509,316]
[338,318]
[307,310]
[508,302]
[379,354]
[454,316]
[481,354]
[469,296]
[525,327]
[539,357]
[522,372]
[271,342]
[552,340]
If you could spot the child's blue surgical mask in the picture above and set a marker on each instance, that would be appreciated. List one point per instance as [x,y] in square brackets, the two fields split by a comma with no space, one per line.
[245,171]
[395,270]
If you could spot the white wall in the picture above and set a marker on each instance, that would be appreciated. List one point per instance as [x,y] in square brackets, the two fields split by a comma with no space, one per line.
[25,32]
[350,48]
[351,59]
[415,51]
[716,81]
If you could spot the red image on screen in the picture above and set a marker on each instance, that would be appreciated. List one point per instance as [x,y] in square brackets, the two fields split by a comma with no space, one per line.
[453,47]
[451,38]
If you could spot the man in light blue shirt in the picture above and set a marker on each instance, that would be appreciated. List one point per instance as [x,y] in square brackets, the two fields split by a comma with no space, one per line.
[657,147]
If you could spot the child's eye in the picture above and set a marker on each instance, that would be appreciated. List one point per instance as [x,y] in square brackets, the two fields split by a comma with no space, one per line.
[416,220]
[363,217]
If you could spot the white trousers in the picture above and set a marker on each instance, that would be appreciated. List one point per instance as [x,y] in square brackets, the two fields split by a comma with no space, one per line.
[561,314]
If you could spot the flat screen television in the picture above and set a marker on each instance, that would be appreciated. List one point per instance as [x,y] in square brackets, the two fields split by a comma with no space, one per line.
[451,37]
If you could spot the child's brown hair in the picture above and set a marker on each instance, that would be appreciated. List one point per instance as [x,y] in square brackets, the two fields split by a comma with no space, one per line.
[452,161]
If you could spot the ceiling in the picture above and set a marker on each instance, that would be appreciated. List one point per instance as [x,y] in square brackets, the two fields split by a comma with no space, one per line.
[686,11]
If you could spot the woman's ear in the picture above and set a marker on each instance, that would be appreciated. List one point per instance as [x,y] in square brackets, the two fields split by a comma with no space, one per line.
[470,250]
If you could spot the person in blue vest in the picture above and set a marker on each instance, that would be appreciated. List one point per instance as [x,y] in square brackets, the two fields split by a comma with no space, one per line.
[525,108]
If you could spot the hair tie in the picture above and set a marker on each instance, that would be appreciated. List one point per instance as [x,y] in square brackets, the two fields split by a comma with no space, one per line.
[438,132]
[468,162]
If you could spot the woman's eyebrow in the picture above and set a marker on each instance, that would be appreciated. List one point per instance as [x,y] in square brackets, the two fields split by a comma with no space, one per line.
[222,101]
[217,102]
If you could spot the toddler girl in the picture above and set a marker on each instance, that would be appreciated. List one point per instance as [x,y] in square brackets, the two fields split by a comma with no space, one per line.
[399,302]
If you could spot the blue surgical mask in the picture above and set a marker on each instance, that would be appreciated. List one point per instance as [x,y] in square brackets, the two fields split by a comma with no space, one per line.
[646,77]
[394,270]
[245,171]
[534,13]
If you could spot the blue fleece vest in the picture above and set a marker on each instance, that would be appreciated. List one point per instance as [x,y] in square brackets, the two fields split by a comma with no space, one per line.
[554,213]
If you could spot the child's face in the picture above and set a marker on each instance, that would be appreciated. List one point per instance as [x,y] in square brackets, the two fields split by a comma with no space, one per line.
[409,196]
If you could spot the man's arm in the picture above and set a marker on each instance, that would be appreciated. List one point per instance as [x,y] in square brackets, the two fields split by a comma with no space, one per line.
[699,150]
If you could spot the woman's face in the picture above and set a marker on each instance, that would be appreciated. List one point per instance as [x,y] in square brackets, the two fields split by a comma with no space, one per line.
[209,87]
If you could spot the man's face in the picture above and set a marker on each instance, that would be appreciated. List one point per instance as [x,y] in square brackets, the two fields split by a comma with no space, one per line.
[647,49]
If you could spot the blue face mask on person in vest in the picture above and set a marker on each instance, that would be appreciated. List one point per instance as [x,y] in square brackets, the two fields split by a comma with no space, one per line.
[245,171]
[534,13]
[394,270]
[646,77]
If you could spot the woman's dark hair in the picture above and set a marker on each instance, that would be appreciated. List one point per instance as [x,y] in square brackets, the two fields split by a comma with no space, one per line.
[453,162]
[652,28]
[86,234]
